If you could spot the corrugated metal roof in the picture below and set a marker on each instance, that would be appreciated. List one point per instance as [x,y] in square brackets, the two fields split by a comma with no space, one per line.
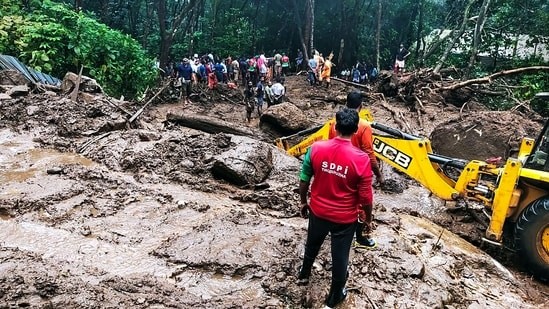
[12,63]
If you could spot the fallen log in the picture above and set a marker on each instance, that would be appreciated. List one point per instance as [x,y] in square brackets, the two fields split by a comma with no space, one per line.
[150,100]
[351,83]
[207,124]
[118,107]
[83,147]
[489,78]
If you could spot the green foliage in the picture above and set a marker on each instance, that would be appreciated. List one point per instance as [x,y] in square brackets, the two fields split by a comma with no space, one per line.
[234,38]
[53,39]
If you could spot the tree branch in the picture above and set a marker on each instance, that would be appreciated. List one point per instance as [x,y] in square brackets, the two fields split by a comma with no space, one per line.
[489,78]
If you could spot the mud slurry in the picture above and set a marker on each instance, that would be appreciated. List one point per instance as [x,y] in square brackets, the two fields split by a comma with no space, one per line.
[136,219]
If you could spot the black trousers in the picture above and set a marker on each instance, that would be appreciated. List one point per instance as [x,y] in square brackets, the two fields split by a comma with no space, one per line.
[341,236]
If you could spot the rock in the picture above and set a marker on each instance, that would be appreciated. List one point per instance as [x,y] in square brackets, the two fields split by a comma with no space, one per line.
[285,118]
[32,109]
[87,84]
[147,136]
[187,164]
[280,276]
[19,90]
[413,267]
[4,96]
[12,77]
[248,163]
[55,171]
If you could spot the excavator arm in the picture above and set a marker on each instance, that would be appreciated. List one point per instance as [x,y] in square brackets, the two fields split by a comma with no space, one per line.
[313,134]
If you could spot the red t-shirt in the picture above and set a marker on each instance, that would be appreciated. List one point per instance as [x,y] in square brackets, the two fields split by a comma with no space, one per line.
[342,180]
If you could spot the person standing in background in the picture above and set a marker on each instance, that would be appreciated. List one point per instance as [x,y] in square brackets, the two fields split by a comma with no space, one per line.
[401,55]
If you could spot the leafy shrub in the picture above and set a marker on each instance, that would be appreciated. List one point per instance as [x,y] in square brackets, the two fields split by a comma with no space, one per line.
[54,39]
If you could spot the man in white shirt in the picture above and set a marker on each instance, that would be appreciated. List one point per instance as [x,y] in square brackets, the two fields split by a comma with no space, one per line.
[278,91]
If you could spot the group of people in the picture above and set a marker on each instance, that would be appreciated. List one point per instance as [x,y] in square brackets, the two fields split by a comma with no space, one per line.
[253,67]
[256,73]
[263,92]
[338,172]
[365,72]
[319,69]
[341,171]
[361,73]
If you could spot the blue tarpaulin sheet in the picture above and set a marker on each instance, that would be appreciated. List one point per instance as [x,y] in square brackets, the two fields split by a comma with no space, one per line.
[12,63]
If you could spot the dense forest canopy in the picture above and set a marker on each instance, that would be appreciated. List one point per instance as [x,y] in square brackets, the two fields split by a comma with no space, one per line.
[354,30]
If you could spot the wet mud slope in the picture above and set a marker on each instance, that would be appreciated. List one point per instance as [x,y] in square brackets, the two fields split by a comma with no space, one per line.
[98,213]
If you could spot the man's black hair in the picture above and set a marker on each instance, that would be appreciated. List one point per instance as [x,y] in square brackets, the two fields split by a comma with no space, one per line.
[347,121]
[354,99]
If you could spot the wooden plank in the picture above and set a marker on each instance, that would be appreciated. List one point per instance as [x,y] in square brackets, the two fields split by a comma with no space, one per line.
[74,94]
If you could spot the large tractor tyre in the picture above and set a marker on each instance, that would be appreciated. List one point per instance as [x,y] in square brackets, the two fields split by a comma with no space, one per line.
[532,238]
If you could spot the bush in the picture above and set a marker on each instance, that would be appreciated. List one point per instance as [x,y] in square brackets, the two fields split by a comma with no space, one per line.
[54,39]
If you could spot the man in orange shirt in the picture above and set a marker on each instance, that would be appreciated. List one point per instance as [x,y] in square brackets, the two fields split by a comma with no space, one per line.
[363,140]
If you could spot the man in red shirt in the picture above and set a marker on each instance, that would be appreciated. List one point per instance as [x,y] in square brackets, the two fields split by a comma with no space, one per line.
[342,183]
[363,140]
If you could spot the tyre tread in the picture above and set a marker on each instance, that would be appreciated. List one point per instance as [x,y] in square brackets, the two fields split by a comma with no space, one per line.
[535,210]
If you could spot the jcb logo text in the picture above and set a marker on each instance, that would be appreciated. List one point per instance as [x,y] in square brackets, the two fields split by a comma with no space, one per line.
[392,154]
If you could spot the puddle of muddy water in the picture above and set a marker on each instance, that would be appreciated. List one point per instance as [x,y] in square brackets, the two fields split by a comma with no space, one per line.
[208,286]
[20,160]
[80,251]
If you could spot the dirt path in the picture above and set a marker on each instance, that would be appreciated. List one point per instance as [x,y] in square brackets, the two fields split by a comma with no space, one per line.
[136,219]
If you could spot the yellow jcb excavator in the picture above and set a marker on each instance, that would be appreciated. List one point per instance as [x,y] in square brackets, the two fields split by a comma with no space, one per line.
[515,194]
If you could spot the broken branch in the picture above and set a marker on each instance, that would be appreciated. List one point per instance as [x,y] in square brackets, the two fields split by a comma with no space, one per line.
[488,79]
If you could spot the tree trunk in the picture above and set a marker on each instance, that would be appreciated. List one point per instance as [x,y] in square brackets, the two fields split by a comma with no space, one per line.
[165,41]
[301,32]
[419,33]
[435,45]
[341,49]
[489,78]
[311,22]
[147,27]
[169,25]
[456,37]
[207,124]
[477,37]
[378,32]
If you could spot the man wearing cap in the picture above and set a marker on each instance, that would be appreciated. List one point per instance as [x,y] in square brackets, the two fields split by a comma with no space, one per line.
[362,139]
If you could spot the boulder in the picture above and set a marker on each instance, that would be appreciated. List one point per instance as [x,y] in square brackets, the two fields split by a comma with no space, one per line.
[284,118]
[19,90]
[12,77]
[87,84]
[249,162]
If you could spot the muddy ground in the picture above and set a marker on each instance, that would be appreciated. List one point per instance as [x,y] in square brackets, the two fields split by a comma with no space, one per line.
[97,213]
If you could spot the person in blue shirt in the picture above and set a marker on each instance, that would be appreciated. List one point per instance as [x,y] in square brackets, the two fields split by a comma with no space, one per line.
[185,73]
[313,66]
